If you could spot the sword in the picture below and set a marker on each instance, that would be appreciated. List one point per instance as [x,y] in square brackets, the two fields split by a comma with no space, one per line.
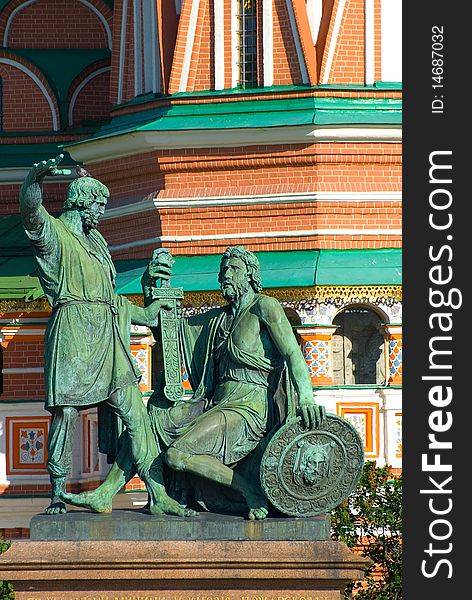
[169,330]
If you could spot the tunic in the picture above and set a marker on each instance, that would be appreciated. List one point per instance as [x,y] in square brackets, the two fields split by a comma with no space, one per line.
[87,354]
[232,386]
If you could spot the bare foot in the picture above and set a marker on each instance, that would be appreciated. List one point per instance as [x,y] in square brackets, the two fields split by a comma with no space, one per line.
[56,508]
[258,507]
[257,514]
[94,501]
[162,504]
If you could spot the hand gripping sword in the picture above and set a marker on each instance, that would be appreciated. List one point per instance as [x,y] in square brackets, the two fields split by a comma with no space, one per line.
[169,330]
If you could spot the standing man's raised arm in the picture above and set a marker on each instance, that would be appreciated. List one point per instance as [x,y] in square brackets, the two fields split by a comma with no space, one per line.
[31,196]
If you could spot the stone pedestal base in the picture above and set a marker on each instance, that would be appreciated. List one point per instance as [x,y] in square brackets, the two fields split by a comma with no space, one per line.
[78,525]
[180,570]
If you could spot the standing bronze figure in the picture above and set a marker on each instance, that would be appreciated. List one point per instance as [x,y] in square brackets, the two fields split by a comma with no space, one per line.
[87,352]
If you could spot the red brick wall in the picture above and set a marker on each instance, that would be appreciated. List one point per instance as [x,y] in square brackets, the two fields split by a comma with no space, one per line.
[53,194]
[200,75]
[20,353]
[63,24]
[25,107]
[92,102]
[348,61]
[286,66]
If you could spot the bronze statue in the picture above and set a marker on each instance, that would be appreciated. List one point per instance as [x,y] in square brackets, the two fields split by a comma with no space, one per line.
[243,362]
[87,353]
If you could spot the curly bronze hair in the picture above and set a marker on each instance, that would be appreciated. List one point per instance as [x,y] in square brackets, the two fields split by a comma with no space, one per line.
[250,260]
[82,192]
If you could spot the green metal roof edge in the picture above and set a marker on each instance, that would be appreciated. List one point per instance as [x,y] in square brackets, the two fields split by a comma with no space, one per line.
[238,91]
[296,268]
[254,113]
[24,155]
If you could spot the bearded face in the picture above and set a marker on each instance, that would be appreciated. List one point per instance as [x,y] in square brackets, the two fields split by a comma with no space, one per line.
[91,215]
[234,279]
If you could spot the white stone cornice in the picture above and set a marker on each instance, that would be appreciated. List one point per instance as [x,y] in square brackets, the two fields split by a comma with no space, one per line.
[129,209]
[139,142]
[23,370]
[148,204]
[17,175]
[253,235]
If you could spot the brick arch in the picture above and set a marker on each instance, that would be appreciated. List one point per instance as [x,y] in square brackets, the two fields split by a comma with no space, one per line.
[29,104]
[90,19]
[89,94]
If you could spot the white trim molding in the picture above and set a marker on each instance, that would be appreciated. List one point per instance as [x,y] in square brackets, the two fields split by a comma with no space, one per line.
[369,42]
[17,175]
[79,88]
[268,42]
[38,82]
[192,27]
[157,203]
[253,235]
[121,67]
[10,20]
[138,47]
[334,40]
[102,18]
[90,6]
[234,44]
[315,12]
[23,370]
[219,43]
[296,39]
[139,142]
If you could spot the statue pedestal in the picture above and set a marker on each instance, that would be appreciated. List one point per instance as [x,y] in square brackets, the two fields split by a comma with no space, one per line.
[78,525]
[182,569]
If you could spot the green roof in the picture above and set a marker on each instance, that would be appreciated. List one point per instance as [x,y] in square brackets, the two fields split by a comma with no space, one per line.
[297,268]
[359,267]
[25,155]
[61,66]
[256,114]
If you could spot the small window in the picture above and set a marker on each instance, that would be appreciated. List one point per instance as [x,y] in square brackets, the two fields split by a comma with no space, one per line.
[359,348]
[247,43]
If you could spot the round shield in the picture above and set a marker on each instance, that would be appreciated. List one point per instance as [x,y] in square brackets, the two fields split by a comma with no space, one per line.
[308,472]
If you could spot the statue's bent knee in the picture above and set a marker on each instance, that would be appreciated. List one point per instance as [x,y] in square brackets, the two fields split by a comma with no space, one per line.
[176,459]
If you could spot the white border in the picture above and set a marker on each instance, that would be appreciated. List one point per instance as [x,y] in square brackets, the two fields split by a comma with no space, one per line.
[139,142]
[219,43]
[84,2]
[124,18]
[369,43]
[192,26]
[138,47]
[253,235]
[79,88]
[268,42]
[334,40]
[202,202]
[296,39]
[7,61]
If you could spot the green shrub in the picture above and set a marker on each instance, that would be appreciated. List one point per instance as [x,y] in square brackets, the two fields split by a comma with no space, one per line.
[371,520]
[6,589]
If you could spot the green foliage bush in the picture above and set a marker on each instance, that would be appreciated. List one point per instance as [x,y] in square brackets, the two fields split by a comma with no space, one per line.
[6,589]
[371,520]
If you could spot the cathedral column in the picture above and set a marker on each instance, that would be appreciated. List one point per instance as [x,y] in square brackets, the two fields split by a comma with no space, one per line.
[317,350]
[395,343]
